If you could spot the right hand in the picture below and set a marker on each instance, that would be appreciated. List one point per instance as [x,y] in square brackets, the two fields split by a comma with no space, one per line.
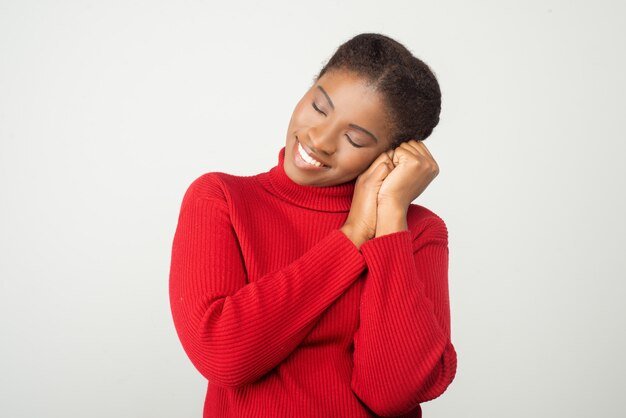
[360,225]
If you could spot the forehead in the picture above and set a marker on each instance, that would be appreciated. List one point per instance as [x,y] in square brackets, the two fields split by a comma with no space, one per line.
[354,100]
[348,87]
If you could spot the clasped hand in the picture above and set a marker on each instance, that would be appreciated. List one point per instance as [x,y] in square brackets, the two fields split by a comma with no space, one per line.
[393,180]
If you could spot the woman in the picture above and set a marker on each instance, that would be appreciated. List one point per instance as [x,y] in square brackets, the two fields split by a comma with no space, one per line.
[317,289]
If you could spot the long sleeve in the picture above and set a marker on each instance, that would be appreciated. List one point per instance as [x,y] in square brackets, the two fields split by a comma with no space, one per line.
[233,331]
[403,353]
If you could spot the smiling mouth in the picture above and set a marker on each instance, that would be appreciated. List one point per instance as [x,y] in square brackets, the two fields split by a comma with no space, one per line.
[310,160]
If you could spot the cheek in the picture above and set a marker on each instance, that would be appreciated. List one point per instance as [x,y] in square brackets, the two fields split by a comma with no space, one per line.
[305,115]
[353,161]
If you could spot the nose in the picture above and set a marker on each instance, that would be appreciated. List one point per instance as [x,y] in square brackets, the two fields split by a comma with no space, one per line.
[322,139]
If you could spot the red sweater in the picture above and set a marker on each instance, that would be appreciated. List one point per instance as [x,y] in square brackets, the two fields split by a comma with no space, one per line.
[286,317]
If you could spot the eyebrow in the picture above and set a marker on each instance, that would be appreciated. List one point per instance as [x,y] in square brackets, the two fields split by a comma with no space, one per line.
[352,125]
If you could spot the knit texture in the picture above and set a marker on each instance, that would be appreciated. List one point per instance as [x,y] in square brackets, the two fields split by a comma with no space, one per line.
[286,317]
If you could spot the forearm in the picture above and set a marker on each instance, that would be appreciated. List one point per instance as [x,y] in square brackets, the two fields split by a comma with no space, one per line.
[235,330]
[402,350]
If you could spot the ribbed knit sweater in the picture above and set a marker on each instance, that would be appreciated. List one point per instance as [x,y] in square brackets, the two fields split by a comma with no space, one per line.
[286,317]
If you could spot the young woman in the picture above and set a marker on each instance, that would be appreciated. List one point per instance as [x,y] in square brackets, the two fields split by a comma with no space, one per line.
[317,288]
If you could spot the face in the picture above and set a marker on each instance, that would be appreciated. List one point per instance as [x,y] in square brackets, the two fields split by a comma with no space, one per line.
[339,122]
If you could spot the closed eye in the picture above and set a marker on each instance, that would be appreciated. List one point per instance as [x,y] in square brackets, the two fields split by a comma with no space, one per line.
[317,109]
[353,143]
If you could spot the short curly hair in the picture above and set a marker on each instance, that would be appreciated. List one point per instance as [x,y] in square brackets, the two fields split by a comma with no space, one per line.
[408,86]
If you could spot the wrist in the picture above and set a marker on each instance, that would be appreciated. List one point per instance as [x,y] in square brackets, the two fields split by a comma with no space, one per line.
[391,218]
[349,231]
[389,205]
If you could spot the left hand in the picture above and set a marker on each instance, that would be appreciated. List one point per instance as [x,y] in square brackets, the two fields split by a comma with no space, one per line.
[414,169]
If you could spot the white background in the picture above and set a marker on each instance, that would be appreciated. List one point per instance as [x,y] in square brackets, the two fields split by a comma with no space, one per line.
[108,110]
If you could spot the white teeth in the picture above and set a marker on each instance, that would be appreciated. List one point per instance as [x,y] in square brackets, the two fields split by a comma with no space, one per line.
[307,158]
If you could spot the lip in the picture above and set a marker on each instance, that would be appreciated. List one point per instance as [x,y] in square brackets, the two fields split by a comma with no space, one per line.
[300,163]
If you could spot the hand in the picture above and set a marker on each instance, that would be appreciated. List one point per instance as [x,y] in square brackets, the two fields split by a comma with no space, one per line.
[360,225]
[414,169]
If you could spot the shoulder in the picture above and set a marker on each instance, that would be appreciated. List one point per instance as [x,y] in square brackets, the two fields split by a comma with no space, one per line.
[425,223]
[214,185]
[217,185]
[206,186]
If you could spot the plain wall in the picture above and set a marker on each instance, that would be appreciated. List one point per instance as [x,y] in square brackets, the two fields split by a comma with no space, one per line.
[108,110]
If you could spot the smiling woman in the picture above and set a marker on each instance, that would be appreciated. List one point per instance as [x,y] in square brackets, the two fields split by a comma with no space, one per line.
[338,122]
[317,288]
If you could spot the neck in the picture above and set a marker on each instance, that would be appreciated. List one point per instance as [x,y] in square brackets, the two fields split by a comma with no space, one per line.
[337,198]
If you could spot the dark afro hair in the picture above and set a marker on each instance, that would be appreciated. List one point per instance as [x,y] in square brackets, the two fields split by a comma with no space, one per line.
[406,84]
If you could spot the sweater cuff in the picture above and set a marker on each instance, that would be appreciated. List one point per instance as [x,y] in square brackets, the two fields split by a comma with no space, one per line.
[345,246]
[393,243]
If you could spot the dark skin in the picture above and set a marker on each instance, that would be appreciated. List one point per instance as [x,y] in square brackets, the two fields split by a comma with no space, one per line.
[387,180]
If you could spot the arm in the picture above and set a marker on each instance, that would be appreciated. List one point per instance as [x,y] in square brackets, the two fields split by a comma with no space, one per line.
[233,331]
[403,353]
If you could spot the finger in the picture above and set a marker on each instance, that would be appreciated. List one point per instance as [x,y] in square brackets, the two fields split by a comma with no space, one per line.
[413,143]
[381,171]
[379,159]
[421,147]
[413,150]
[424,149]
[405,151]
[382,158]
[385,160]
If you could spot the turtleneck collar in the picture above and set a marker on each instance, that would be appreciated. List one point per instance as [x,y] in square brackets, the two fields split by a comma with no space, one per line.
[337,198]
